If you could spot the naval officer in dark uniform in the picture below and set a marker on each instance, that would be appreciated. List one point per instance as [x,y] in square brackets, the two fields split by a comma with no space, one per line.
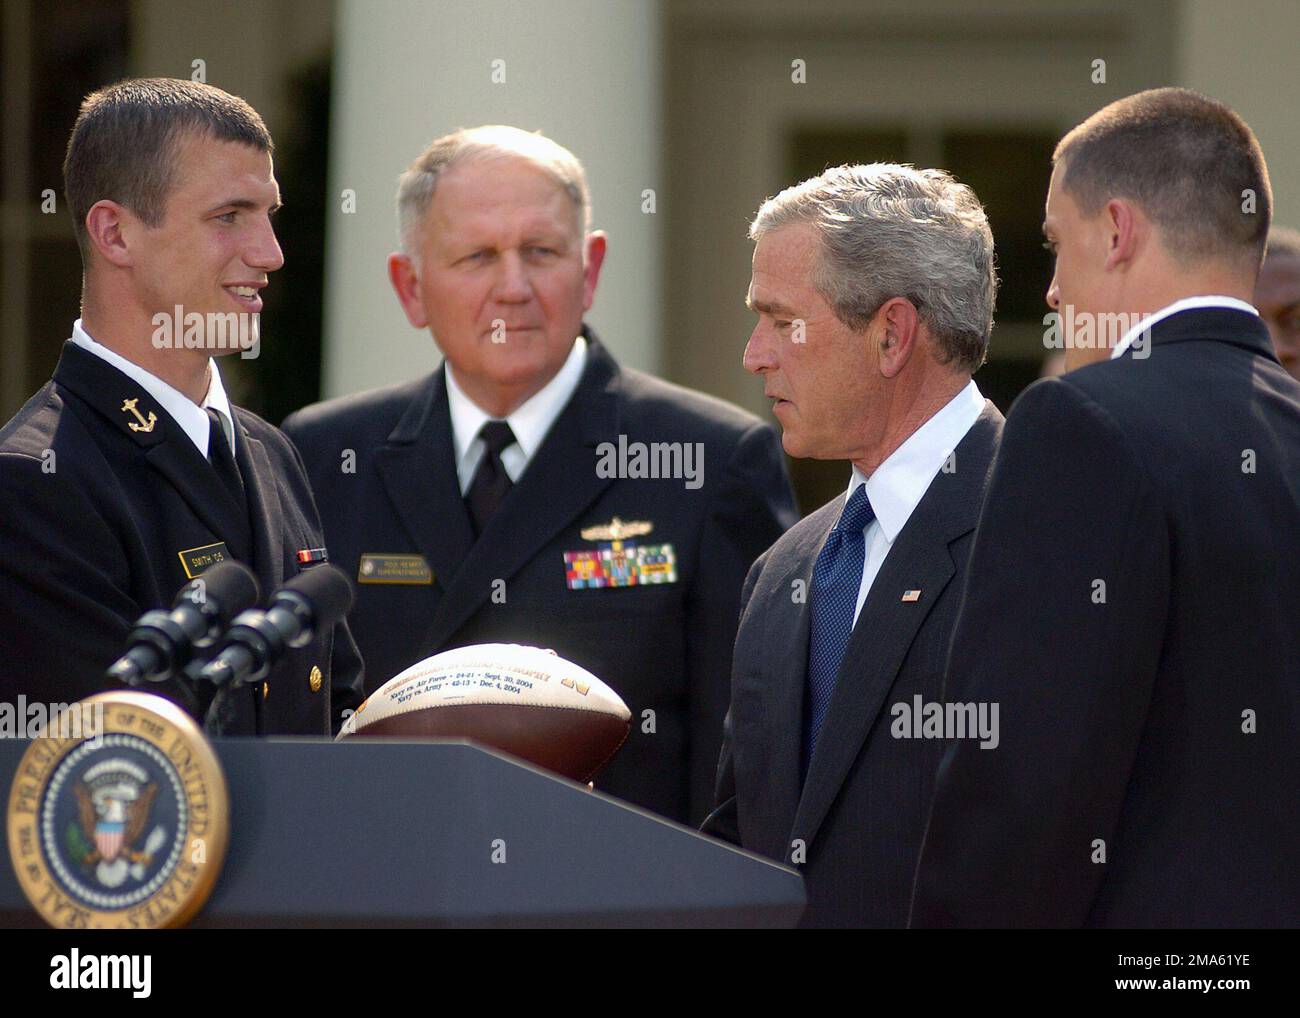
[531,490]
[130,472]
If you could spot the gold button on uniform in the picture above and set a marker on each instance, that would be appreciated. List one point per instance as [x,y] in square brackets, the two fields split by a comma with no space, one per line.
[266,690]
[314,680]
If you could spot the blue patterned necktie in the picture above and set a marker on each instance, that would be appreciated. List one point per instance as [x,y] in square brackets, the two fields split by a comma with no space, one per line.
[836,580]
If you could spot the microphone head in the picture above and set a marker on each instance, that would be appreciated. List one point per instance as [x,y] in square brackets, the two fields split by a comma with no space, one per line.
[327,589]
[228,588]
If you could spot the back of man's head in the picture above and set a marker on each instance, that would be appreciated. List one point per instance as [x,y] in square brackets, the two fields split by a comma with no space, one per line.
[125,143]
[1189,162]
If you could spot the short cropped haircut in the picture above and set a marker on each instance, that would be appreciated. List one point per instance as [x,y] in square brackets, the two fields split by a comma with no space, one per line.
[1188,161]
[125,143]
[888,230]
[416,185]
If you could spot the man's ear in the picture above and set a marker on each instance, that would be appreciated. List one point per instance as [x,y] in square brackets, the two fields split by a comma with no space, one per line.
[593,259]
[406,284]
[900,326]
[1124,227]
[110,228]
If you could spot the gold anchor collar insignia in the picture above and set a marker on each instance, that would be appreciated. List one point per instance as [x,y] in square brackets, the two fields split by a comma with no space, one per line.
[139,424]
[617,530]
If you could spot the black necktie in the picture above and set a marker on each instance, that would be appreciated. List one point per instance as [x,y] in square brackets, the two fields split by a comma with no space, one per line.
[491,483]
[221,458]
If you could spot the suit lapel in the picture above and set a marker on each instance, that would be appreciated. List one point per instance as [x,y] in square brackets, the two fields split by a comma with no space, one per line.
[164,444]
[781,688]
[920,560]
[193,476]
[881,639]
[418,469]
[265,510]
[557,485]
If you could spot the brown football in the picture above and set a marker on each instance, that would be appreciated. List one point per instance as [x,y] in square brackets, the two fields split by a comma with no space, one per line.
[525,701]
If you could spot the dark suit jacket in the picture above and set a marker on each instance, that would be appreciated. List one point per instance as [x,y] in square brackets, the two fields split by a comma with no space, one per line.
[95,517]
[862,808]
[664,648]
[1175,481]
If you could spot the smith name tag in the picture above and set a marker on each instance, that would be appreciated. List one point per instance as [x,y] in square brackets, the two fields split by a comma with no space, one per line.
[377,568]
[197,560]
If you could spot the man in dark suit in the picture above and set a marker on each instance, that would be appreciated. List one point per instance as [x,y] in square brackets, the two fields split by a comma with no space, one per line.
[874,287]
[119,477]
[530,490]
[1131,603]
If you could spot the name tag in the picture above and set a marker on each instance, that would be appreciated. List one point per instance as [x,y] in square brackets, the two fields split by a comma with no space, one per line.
[197,560]
[408,569]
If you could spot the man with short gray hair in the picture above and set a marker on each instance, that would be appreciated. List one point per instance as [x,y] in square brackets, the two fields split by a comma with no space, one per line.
[532,490]
[874,287]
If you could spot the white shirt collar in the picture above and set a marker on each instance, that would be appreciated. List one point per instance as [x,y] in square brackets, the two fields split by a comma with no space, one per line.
[1186,304]
[183,410]
[530,421]
[898,484]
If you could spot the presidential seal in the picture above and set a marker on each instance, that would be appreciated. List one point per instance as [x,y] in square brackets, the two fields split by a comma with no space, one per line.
[125,828]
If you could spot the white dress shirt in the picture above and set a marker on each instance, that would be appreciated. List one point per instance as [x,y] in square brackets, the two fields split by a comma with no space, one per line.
[530,422]
[898,484]
[183,410]
[1186,304]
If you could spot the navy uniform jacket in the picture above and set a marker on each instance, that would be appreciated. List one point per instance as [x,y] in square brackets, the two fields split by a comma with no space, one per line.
[95,519]
[665,648]
[1133,606]
[853,829]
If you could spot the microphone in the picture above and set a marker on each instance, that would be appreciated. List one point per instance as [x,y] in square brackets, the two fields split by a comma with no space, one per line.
[308,604]
[163,642]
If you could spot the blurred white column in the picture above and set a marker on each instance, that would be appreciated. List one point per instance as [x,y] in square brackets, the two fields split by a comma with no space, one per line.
[1245,55]
[584,72]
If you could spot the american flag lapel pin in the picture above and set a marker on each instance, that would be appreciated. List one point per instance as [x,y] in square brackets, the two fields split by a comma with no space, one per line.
[911,595]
